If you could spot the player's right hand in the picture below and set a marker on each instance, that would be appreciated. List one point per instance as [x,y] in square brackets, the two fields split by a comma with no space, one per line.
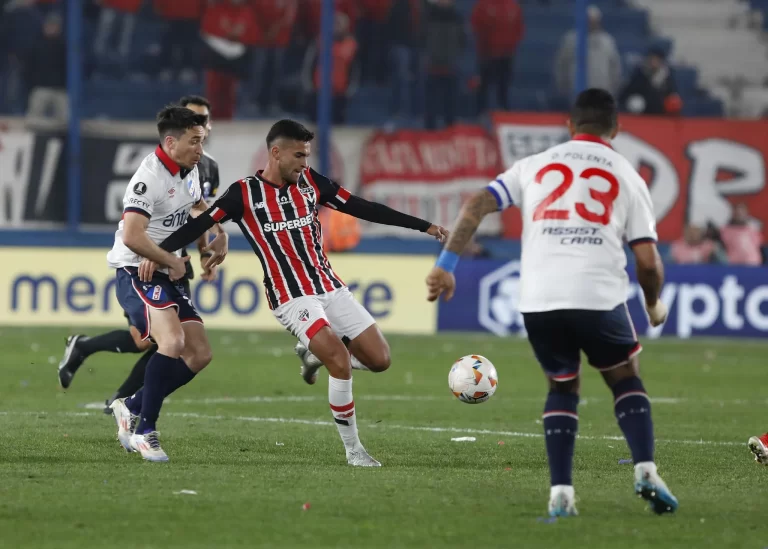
[657,313]
[440,282]
[147,270]
[178,268]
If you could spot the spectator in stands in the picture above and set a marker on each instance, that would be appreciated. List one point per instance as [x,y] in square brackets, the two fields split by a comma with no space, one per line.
[446,41]
[651,88]
[311,15]
[498,26]
[46,74]
[229,31]
[277,19]
[742,238]
[405,71]
[180,47]
[603,60]
[114,13]
[345,72]
[696,248]
[374,39]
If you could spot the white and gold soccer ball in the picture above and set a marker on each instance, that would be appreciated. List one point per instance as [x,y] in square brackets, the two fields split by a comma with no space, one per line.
[473,379]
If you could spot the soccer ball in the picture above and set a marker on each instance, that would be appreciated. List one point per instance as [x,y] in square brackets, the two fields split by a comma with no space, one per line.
[473,379]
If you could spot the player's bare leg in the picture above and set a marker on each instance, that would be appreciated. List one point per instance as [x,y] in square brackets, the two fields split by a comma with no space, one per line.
[330,350]
[560,426]
[759,447]
[370,352]
[633,413]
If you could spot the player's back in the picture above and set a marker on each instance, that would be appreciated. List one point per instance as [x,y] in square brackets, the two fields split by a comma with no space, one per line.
[163,192]
[579,200]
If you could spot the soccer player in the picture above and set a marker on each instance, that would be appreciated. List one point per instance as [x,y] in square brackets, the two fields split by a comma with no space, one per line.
[276,209]
[759,447]
[159,198]
[579,200]
[79,347]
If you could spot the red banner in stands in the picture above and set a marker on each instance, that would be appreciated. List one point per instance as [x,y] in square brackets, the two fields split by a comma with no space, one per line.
[428,174]
[696,169]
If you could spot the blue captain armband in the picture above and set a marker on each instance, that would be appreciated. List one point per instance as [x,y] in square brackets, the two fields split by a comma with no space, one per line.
[447,261]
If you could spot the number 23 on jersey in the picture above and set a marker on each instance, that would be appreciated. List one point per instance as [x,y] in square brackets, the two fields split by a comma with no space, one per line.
[605,198]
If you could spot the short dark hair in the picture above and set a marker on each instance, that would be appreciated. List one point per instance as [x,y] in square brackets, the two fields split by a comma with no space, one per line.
[289,129]
[174,120]
[594,112]
[195,100]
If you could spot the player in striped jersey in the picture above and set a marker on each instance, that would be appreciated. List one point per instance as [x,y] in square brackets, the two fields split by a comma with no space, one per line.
[276,209]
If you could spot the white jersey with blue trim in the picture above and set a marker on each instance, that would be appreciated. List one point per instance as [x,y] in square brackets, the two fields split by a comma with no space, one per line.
[163,192]
[580,201]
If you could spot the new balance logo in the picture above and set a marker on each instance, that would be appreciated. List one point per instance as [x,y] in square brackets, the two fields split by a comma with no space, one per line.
[259,205]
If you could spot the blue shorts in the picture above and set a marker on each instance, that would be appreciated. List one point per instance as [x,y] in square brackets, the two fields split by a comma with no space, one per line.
[608,338]
[136,297]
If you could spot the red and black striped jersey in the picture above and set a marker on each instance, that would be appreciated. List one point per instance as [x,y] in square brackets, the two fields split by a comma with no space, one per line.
[281,224]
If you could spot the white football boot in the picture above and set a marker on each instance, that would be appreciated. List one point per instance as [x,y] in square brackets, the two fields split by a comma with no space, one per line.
[126,423]
[562,501]
[650,487]
[360,458]
[149,446]
[310,363]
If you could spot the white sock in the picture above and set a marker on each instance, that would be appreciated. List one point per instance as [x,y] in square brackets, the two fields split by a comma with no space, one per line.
[343,410]
[645,467]
[357,365]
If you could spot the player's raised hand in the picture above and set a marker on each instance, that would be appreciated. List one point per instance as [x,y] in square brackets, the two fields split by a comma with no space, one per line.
[441,234]
[440,282]
[147,270]
[178,268]
[657,313]
[218,248]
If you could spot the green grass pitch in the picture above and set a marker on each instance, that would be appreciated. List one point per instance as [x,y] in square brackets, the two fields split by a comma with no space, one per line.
[256,444]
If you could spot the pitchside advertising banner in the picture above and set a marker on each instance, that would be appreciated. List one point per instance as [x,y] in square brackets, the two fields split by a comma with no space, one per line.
[702,300]
[74,287]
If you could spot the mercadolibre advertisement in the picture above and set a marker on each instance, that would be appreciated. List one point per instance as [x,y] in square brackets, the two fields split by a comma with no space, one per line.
[703,300]
[74,287]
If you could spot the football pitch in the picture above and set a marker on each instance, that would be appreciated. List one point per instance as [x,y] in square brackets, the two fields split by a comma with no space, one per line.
[256,460]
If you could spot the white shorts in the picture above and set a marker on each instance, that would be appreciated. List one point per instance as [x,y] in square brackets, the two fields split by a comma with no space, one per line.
[305,316]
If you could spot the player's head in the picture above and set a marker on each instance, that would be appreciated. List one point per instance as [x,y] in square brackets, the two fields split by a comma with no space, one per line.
[181,134]
[595,113]
[288,143]
[200,105]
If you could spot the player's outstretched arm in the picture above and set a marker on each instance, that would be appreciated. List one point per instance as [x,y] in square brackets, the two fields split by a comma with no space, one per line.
[650,275]
[189,232]
[441,280]
[384,215]
[135,237]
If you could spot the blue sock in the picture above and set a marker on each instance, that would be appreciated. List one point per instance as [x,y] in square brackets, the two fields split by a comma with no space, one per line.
[178,376]
[134,403]
[561,423]
[155,381]
[633,411]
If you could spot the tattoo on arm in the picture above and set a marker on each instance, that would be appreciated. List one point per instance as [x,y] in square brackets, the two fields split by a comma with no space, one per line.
[472,214]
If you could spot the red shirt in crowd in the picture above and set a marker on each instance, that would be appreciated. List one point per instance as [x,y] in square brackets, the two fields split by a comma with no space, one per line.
[376,10]
[742,244]
[313,10]
[128,6]
[235,22]
[498,26]
[179,9]
[277,19]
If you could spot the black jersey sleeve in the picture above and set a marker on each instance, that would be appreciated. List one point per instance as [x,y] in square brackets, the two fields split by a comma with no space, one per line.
[228,206]
[337,197]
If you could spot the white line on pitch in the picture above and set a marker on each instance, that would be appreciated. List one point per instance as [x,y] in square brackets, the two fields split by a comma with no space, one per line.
[425,398]
[419,428]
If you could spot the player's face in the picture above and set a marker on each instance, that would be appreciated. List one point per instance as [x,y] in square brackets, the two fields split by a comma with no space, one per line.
[292,159]
[187,150]
[202,109]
